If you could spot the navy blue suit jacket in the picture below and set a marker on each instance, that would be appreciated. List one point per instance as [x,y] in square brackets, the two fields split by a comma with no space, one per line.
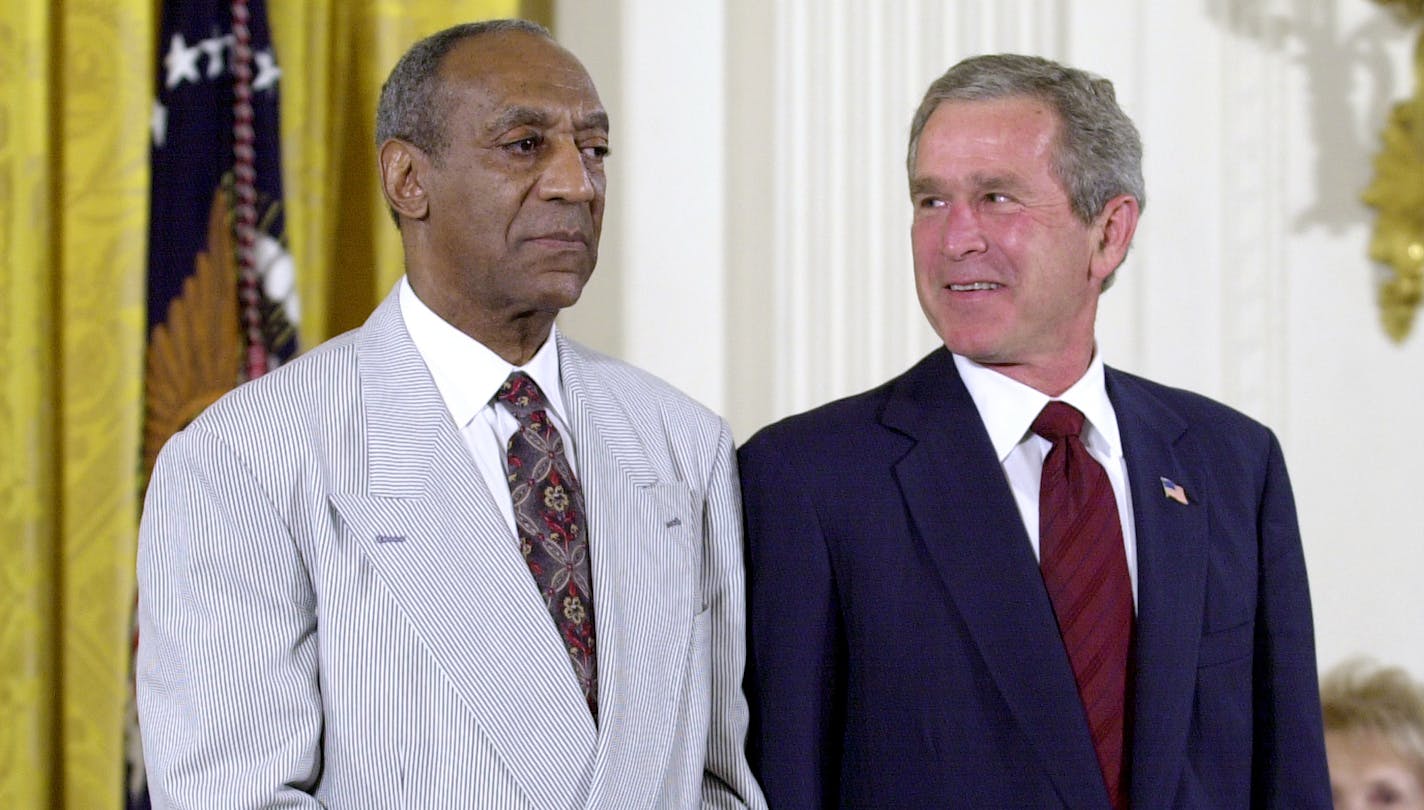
[904,652]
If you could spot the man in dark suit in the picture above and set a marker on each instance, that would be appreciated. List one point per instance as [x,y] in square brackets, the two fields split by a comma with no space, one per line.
[1012,577]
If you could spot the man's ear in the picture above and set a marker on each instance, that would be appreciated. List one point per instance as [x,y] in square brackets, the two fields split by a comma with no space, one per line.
[403,165]
[1113,232]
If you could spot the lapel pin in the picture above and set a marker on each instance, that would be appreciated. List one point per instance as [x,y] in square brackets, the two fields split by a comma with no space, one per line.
[674,522]
[1174,491]
[390,538]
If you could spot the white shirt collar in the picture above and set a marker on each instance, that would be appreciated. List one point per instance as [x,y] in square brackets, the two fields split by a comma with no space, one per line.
[1008,407]
[465,371]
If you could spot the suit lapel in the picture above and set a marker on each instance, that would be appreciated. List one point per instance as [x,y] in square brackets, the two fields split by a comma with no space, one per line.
[646,589]
[965,515]
[1171,577]
[435,538]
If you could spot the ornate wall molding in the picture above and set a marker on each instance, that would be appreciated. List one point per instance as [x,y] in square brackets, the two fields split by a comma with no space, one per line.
[1397,193]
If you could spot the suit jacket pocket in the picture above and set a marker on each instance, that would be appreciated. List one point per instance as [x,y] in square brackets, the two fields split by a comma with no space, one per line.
[1226,645]
[675,536]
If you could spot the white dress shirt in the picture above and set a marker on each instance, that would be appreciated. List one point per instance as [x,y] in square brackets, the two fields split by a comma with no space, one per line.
[468,375]
[1008,408]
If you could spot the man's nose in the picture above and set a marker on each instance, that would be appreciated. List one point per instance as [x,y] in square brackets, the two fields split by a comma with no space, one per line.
[566,175]
[963,236]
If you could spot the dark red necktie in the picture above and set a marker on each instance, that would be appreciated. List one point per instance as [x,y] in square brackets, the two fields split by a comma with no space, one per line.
[552,525]
[1085,568]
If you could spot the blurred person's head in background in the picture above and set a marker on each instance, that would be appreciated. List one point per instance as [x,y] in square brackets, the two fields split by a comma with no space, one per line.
[1374,737]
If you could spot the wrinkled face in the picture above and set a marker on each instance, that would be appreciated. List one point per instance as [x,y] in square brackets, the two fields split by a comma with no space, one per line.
[1366,774]
[1005,272]
[516,194]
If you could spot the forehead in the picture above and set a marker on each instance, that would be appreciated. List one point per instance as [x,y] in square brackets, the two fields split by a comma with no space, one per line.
[1011,130]
[517,68]
[1363,744]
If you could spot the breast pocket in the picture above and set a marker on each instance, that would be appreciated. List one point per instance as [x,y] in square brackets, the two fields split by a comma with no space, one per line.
[673,544]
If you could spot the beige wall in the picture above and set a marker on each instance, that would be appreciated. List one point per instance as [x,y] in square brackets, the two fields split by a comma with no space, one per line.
[767,267]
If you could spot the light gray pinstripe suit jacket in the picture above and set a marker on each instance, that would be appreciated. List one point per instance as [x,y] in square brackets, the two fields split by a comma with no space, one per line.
[332,611]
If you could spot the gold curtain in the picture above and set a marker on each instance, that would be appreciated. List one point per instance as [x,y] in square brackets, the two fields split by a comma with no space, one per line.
[74,111]
[76,80]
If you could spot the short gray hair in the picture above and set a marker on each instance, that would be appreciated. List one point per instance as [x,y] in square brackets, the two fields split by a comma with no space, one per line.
[409,108]
[1099,152]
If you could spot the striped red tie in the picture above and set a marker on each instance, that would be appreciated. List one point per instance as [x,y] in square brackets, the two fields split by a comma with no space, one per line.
[1085,569]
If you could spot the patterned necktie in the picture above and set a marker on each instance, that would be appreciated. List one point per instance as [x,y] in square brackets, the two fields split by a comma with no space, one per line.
[1085,569]
[552,525]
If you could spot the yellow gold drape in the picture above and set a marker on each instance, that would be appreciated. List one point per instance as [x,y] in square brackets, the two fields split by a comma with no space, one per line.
[76,81]
[74,111]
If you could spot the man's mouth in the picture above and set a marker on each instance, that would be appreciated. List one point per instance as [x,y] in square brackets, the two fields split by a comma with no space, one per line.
[974,286]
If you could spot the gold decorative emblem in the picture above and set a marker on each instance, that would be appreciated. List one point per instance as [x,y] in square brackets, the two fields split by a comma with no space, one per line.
[1397,194]
[195,354]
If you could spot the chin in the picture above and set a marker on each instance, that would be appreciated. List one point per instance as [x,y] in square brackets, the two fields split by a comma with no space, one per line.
[976,346]
[564,294]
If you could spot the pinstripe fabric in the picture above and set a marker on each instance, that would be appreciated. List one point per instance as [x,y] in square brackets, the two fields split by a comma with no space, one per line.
[331,610]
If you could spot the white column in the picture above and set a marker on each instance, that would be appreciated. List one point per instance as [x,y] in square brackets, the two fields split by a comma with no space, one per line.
[658,299]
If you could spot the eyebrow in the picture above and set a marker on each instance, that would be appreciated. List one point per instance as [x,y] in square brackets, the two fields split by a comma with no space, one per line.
[979,180]
[1008,181]
[598,119]
[921,185]
[534,117]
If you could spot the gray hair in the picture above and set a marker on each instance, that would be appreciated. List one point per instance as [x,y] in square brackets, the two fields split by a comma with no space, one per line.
[1099,153]
[409,108]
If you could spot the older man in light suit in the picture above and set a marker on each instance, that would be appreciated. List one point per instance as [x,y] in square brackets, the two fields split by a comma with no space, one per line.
[452,558]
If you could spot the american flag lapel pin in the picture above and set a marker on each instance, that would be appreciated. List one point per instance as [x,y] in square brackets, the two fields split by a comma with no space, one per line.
[1174,491]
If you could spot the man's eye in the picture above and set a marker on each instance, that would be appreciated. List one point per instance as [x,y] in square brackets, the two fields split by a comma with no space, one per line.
[524,146]
[597,151]
[1384,795]
[997,197]
[930,202]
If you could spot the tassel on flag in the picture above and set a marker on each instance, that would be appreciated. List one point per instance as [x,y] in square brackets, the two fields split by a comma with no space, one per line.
[222,305]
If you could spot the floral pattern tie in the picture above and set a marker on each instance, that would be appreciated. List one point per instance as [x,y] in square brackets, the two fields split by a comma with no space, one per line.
[552,525]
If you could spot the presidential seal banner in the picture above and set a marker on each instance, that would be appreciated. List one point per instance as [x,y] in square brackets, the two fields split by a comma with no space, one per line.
[222,304]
